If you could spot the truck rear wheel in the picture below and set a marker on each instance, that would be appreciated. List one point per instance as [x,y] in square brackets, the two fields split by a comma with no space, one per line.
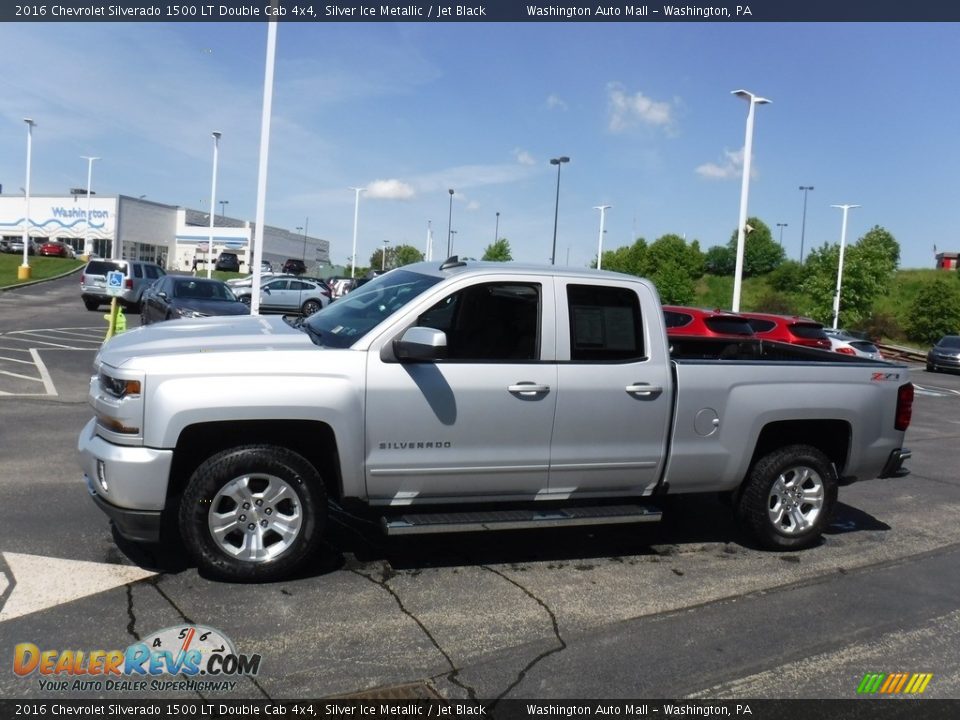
[253,513]
[788,497]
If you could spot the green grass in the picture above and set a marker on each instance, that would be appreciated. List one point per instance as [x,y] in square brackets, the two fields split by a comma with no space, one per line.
[41,268]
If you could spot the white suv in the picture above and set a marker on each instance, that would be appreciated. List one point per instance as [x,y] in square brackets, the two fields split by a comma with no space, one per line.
[137,276]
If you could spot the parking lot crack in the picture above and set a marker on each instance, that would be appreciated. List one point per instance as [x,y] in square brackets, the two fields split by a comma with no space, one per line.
[384,582]
[131,615]
[561,644]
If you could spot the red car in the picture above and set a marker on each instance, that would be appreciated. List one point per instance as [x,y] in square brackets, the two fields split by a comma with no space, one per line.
[705,323]
[789,329]
[54,249]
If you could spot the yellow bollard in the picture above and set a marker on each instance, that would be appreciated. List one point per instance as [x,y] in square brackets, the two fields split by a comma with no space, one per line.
[111,319]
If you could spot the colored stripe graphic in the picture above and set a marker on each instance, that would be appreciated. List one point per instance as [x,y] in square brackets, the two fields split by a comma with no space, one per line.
[894,683]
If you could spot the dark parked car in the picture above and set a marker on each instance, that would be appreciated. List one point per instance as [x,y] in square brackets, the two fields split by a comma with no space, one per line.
[789,329]
[294,267]
[228,262]
[705,323]
[945,355]
[178,296]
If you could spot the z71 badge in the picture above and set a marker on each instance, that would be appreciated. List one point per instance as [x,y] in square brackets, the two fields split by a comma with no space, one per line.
[885,377]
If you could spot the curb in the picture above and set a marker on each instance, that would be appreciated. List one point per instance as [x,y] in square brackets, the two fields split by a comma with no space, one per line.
[5,288]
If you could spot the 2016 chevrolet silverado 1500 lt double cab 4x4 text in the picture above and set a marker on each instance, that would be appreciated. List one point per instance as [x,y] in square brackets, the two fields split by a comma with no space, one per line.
[468,396]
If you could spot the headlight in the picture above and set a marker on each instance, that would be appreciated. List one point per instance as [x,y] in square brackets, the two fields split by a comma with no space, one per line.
[118,387]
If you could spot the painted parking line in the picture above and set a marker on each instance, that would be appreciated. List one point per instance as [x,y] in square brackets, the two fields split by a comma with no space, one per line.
[933,391]
[22,370]
[31,583]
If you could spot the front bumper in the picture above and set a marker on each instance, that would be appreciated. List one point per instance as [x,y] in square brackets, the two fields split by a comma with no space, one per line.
[128,483]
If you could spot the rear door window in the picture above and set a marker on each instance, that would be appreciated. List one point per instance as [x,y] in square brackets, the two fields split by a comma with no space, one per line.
[605,324]
[808,331]
[729,326]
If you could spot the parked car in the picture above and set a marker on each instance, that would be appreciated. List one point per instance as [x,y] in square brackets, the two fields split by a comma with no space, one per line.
[247,280]
[52,248]
[16,246]
[293,266]
[705,323]
[182,296]
[842,341]
[266,266]
[137,276]
[228,262]
[945,355]
[289,295]
[789,329]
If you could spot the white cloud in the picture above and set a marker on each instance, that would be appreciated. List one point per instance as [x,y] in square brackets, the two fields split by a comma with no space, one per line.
[627,110]
[473,205]
[523,157]
[731,167]
[389,190]
[555,102]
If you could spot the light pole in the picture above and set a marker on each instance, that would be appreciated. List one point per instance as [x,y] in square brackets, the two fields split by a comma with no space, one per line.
[87,237]
[753,101]
[383,256]
[356,215]
[213,200]
[496,229]
[556,205]
[306,224]
[603,211]
[781,226]
[843,242]
[23,272]
[223,208]
[803,224]
[450,224]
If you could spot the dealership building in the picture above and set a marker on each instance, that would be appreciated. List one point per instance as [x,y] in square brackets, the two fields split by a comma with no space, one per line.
[138,229]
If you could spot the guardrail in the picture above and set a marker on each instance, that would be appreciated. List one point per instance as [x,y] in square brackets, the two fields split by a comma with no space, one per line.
[896,352]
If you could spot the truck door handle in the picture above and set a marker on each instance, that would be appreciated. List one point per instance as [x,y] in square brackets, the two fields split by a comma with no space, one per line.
[528,389]
[644,389]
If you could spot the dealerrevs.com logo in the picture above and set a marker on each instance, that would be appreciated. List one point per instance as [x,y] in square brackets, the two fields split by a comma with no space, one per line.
[184,657]
[894,683]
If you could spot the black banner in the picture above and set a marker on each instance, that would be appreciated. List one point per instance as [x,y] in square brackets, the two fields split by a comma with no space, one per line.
[855,709]
[641,11]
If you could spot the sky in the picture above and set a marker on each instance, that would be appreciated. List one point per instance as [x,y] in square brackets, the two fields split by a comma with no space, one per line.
[866,113]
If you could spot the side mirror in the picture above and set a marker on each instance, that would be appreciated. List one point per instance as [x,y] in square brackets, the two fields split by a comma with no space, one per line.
[163,295]
[421,344]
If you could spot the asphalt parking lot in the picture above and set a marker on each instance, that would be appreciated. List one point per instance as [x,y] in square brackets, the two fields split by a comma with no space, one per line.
[686,608]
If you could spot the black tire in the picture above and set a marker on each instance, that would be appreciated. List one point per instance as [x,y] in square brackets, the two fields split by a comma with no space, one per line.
[91,303]
[253,472]
[310,307]
[789,497]
[931,368]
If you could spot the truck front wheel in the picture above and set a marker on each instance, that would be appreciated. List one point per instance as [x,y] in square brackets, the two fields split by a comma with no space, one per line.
[253,513]
[788,497]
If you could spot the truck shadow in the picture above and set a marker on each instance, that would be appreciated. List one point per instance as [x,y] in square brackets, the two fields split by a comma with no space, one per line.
[688,522]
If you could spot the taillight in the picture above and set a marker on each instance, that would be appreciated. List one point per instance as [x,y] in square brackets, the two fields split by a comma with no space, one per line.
[846,351]
[129,284]
[83,279]
[904,407]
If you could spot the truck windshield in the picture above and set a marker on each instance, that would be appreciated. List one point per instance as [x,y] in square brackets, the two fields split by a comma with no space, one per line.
[345,321]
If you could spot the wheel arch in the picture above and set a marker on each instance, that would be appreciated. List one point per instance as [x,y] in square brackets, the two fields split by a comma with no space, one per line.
[831,437]
[315,441]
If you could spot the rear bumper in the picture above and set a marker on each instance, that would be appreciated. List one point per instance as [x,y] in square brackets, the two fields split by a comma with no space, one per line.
[894,466]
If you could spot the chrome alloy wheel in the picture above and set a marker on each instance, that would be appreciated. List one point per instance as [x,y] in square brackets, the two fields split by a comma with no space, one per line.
[795,500]
[255,517]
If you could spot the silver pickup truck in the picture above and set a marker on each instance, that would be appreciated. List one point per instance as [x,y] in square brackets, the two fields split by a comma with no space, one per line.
[471,396]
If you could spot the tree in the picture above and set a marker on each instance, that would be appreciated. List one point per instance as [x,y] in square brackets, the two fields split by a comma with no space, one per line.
[760,253]
[629,260]
[868,268]
[673,283]
[720,261]
[498,251]
[673,250]
[382,258]
[405,255]
[935,311]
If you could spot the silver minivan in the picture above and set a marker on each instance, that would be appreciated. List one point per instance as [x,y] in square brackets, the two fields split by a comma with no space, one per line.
[137,276]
